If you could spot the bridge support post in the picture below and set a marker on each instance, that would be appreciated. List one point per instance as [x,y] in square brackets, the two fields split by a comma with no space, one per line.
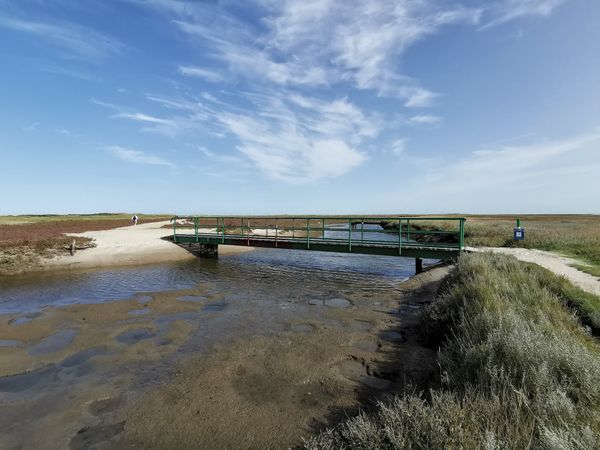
[418,265]
[206,250]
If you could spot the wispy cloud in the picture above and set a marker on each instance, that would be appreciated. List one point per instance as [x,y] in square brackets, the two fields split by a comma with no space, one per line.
[508,10]
[200,72]
[140,117]
[31,127]
[138,156]
[72,40]
[535,177]
[425,119]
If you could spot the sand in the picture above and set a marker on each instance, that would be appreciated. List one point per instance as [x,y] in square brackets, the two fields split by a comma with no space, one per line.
[131,245]
[558,264]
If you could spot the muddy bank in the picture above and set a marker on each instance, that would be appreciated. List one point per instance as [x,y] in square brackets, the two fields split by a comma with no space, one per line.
[270,392]
[252,356]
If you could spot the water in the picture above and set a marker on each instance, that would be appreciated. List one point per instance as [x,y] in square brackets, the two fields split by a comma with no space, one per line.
[136,348]
[33,293]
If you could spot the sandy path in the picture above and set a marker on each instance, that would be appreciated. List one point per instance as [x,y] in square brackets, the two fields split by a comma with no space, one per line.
[558,264]
[130,245]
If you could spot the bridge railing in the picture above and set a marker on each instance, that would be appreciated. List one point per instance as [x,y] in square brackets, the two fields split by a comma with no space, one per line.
[430,232]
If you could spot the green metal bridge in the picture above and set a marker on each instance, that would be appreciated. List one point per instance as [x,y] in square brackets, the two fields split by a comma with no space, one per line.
[412,237]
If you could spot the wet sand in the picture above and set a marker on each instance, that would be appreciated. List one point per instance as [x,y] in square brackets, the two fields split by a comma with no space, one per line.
[183,369]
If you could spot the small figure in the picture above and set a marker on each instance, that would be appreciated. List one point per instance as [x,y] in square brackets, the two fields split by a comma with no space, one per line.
[134,219]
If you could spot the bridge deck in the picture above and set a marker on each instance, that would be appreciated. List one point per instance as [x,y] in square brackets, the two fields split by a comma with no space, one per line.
[413,237]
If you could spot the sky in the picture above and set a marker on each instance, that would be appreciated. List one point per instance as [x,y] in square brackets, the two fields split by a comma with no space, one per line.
[300,106]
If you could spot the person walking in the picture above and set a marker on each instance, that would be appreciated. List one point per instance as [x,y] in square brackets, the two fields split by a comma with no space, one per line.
[134,219]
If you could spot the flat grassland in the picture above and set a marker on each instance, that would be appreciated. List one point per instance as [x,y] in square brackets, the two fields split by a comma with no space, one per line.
[26,240]
[577,236]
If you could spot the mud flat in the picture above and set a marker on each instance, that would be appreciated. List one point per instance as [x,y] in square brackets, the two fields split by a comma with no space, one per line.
[207,368]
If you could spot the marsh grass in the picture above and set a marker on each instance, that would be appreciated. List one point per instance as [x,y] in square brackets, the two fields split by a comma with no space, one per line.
[517,369]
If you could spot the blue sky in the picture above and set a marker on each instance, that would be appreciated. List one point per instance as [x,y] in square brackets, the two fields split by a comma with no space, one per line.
[281,106]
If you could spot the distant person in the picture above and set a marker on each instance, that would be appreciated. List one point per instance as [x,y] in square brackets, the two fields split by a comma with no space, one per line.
[134,219]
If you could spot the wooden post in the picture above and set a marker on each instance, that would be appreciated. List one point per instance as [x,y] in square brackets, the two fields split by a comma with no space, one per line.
[73,248]
[418,265]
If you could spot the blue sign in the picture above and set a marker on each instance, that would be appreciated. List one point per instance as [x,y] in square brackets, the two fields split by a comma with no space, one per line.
[519,234]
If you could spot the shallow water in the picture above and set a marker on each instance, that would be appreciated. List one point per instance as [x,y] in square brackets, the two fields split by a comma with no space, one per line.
[32,293]
[213,300]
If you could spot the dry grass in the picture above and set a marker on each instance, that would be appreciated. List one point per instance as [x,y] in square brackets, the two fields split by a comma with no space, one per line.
[517,368]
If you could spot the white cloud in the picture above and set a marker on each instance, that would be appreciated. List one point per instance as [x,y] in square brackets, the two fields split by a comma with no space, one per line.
[425,119]
[398,147]
[205,74]
[300,139]
[551,176]
[74,41]
[138,157]
[322,42]
[140,117]
[508,10]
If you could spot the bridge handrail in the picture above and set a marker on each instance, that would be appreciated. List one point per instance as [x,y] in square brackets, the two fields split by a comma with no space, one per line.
[315,232]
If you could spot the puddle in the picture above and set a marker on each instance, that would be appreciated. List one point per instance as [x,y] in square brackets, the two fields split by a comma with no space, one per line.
[337,303]
[133,336]
[139,312]
[20,320]
[53,343]
[82,356]
[166,319]
[9,343]
[303,328]
[192,298]
[23,381]
[214,307]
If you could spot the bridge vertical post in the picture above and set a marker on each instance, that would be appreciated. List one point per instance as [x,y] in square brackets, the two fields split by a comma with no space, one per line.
[350,235]
[248,226]
[362,230]
[175,229]
[418,265]
[196,228]
[323,229]
[222,230]
[294,228]
[308,234]
[462,234]
[408,230]
[399,236]
[276,230]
